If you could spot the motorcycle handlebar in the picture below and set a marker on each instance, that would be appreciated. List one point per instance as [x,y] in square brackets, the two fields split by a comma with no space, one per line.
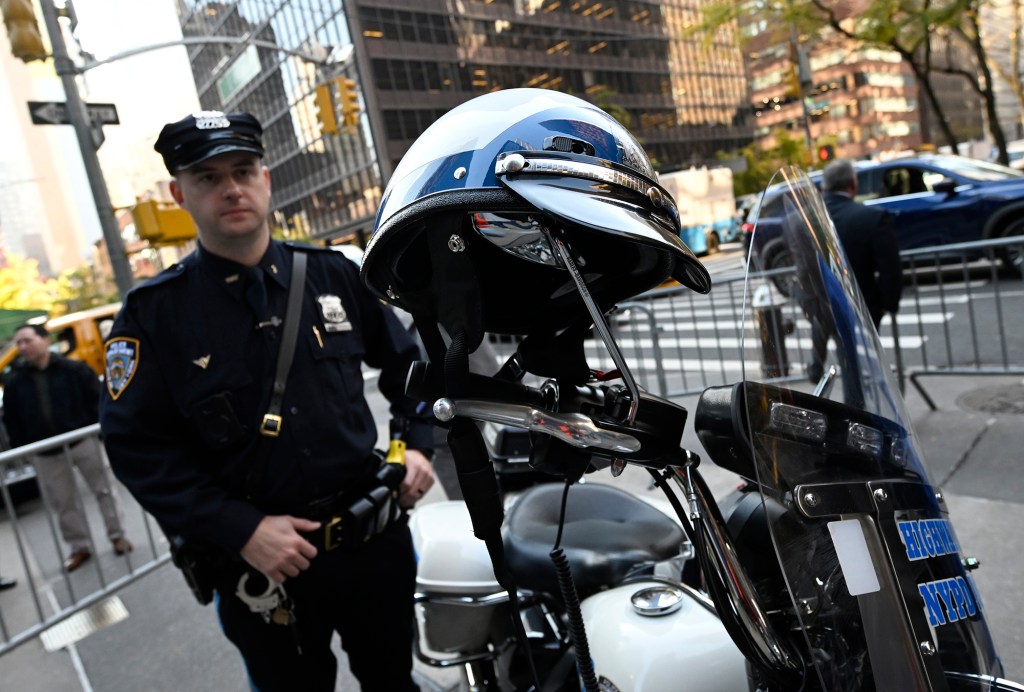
[424,383]
[576,429]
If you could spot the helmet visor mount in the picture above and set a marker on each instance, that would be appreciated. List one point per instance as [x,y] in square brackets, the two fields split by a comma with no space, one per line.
[593,194]
[527,237]
[520,234]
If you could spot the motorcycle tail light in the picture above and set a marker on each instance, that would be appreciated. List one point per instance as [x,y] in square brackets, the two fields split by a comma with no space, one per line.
[865,439]
[798,422]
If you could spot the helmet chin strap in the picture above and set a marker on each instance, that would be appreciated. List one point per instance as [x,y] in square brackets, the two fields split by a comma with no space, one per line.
[478,480]
[455,282]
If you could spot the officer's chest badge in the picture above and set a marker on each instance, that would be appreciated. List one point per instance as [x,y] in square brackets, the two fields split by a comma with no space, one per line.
[122,358]
[333,312]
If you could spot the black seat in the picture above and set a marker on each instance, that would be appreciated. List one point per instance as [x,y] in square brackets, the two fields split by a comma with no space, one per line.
[607,533]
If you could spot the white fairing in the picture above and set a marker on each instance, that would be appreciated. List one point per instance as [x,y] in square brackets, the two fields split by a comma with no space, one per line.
[688,650]
[451,560]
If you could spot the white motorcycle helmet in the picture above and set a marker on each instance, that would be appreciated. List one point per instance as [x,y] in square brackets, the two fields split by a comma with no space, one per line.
[465,234]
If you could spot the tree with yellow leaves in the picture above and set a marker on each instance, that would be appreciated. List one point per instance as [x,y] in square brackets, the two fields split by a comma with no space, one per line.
[22,288]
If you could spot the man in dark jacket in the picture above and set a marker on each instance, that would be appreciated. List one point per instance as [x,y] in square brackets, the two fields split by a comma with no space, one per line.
[47,395]
[868,239]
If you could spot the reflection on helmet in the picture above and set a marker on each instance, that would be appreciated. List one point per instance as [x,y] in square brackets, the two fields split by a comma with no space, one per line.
[465,233]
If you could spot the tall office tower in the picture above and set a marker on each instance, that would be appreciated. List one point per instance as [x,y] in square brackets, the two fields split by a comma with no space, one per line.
[412,61]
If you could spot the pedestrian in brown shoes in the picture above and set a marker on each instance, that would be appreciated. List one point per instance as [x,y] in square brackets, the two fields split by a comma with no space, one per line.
[46,395]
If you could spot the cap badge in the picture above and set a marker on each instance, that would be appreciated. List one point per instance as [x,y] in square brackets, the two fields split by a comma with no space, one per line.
[211,120]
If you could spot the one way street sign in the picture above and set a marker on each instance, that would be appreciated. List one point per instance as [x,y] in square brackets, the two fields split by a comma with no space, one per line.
[56,113]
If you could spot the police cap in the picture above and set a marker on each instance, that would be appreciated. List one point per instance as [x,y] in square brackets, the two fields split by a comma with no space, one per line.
[206,134]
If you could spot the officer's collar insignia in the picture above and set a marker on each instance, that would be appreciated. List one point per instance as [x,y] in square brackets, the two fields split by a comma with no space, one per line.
[333,312]
[122,360]
[203,362]
[211,120]
[273,268]
[231,279]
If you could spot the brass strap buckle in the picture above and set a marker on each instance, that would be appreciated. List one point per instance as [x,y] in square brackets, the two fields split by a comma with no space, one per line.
[271,425]
[332,534]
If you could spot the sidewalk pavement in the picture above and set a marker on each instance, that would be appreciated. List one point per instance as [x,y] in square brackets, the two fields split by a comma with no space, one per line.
[973,445]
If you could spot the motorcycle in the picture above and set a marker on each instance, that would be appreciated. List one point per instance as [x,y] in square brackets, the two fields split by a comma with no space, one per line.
[836,568]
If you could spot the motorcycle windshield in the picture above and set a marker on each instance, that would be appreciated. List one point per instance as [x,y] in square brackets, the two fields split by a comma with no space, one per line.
[872,591]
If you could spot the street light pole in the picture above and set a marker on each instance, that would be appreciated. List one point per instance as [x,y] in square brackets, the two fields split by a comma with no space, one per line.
[803,77]
[89,140]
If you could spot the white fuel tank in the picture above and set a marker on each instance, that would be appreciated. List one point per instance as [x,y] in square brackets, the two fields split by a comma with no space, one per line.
[683,649]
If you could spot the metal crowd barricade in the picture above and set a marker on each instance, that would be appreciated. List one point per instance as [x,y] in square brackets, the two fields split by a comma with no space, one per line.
[678,342]
[47,598]
[957,317]
[979,286]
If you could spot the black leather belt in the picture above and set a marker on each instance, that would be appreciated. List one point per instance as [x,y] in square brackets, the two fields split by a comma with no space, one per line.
[351,521]
[366,508]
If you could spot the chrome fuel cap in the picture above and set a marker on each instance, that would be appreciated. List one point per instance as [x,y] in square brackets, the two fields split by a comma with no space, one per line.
[657,600]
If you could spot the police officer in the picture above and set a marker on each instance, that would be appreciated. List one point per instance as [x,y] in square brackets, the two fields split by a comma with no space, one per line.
[190,365]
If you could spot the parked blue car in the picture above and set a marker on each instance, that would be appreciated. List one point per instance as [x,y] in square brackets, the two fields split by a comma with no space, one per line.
[935,200]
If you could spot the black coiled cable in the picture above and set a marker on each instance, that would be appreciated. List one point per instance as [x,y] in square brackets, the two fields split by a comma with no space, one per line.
[566,585]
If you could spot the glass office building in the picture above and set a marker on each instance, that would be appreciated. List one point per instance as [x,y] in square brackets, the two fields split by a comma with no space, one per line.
[414,61]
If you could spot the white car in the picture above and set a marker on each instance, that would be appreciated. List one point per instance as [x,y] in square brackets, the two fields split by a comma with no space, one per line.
[353,252]
[1015,150]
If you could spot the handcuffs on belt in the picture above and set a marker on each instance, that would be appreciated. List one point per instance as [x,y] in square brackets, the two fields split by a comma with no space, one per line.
[274,605]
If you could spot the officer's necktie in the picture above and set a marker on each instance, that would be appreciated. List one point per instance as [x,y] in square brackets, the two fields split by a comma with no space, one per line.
[256,291]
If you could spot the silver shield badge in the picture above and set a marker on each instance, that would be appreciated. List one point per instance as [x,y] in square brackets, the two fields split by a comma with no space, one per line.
[333,312]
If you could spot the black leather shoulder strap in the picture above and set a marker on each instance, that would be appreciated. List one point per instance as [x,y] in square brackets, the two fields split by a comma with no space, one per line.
[270,428]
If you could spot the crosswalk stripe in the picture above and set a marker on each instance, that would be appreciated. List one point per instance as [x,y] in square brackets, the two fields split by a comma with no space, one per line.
[661,311]
[733,325]
[906,342]
[950,286]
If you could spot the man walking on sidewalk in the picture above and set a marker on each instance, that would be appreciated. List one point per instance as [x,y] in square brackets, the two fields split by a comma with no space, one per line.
[868,239]
[47,395]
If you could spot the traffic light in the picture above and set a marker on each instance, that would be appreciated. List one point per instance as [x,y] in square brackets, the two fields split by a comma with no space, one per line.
[348,96]
[23,30]
[325,110]
[791,82]
[826,152]
[161,223]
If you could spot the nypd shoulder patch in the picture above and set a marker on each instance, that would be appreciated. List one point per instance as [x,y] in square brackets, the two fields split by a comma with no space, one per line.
[122,359]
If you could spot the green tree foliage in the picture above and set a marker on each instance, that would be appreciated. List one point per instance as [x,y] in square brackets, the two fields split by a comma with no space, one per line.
[762,164]
[911,28]
[922,32]
[82,288]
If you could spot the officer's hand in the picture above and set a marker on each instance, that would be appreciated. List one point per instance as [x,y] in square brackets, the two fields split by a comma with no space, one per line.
[277,550]
[419,477]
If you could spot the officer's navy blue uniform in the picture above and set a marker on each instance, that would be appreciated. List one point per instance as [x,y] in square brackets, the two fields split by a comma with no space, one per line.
[190,369]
